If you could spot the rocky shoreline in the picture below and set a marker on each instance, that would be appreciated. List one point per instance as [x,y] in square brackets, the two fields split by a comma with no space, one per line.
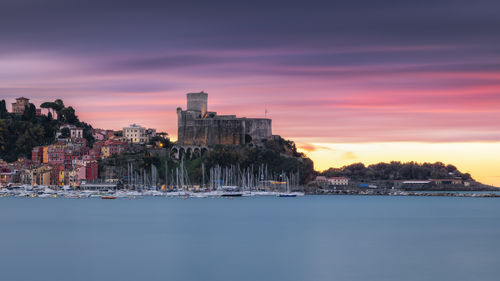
[390,192]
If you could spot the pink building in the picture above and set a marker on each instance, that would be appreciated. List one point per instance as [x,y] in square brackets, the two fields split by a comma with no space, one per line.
[99,135]
[37,155]
[81,171]
[113,147]
[55,154]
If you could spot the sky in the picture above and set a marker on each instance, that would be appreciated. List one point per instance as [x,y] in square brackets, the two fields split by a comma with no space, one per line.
[348,81]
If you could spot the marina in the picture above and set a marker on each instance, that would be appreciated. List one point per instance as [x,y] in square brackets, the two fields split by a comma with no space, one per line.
[222,191]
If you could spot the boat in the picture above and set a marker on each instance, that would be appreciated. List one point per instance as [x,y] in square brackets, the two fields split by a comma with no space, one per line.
[287,195]
[230,191]
[232,194]
[199,195]
[289,192]
[108,197]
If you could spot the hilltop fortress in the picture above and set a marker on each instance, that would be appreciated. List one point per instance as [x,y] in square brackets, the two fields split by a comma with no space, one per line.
[199,127]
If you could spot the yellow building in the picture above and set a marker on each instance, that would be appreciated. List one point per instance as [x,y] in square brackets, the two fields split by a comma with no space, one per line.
[61,178]
[105,153]
[44,175]
[72,178]
[45,158]
[40,175]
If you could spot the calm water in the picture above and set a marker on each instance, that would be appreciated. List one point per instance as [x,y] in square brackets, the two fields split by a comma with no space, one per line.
[311,238]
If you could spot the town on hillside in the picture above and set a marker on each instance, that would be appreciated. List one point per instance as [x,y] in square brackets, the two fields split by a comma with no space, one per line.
[49,146]
[69,159]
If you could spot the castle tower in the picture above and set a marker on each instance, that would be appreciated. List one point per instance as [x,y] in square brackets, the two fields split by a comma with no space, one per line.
[197,102]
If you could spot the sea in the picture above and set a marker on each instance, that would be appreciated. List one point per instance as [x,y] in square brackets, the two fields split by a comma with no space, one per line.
[312,238]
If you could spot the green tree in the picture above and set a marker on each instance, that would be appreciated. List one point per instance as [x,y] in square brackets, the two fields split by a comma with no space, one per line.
[65,133]
[29,112]
[58,107]
[3,110]
[4,131]
[49,106]
[68,115]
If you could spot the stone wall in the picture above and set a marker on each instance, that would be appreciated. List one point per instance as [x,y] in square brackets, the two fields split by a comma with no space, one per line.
[210,131]
[258,128]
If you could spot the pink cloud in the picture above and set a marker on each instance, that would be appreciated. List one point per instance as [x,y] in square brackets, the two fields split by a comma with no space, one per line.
[393,101]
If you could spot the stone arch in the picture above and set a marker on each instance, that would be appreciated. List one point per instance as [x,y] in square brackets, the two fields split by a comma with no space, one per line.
[182,152]
[174,152]
[196,152]
[189,152]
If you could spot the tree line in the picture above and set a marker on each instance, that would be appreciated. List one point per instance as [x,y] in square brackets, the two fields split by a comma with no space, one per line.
[397,171]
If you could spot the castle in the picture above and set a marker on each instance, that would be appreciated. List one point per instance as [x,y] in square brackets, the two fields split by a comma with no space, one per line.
[200,127]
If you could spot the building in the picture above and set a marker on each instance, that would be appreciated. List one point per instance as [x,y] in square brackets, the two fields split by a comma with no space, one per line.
[45,158]
[151,133]
[338,181]
[99,134]
[41,175]
[135,134]
[430,182]
[447,181]
[112,147]
[74,132]
[57,175]
[8,176]
[55,154]
[20,104]
[321,179]
[37,154]
[198,126]
[92,170]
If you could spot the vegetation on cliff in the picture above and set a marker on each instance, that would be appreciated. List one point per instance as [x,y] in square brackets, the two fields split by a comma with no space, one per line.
[397,171]
[276,155]
[20,133]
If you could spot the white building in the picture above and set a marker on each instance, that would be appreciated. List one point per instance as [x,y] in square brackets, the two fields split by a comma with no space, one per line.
[75,132]
[338,181]
[135,134]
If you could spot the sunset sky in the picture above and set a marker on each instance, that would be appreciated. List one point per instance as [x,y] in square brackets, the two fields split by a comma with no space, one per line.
[349,81]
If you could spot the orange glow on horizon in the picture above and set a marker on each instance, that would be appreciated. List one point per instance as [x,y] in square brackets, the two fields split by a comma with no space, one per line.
[480,159]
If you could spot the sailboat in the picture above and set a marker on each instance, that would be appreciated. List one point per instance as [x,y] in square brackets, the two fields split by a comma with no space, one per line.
[289,192]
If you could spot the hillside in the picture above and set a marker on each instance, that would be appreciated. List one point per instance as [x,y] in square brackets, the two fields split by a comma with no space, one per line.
[397,171]
[20,133]
[277,156]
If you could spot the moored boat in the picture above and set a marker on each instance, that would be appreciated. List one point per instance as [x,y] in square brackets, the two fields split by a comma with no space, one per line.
[230,191]
[232,194]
